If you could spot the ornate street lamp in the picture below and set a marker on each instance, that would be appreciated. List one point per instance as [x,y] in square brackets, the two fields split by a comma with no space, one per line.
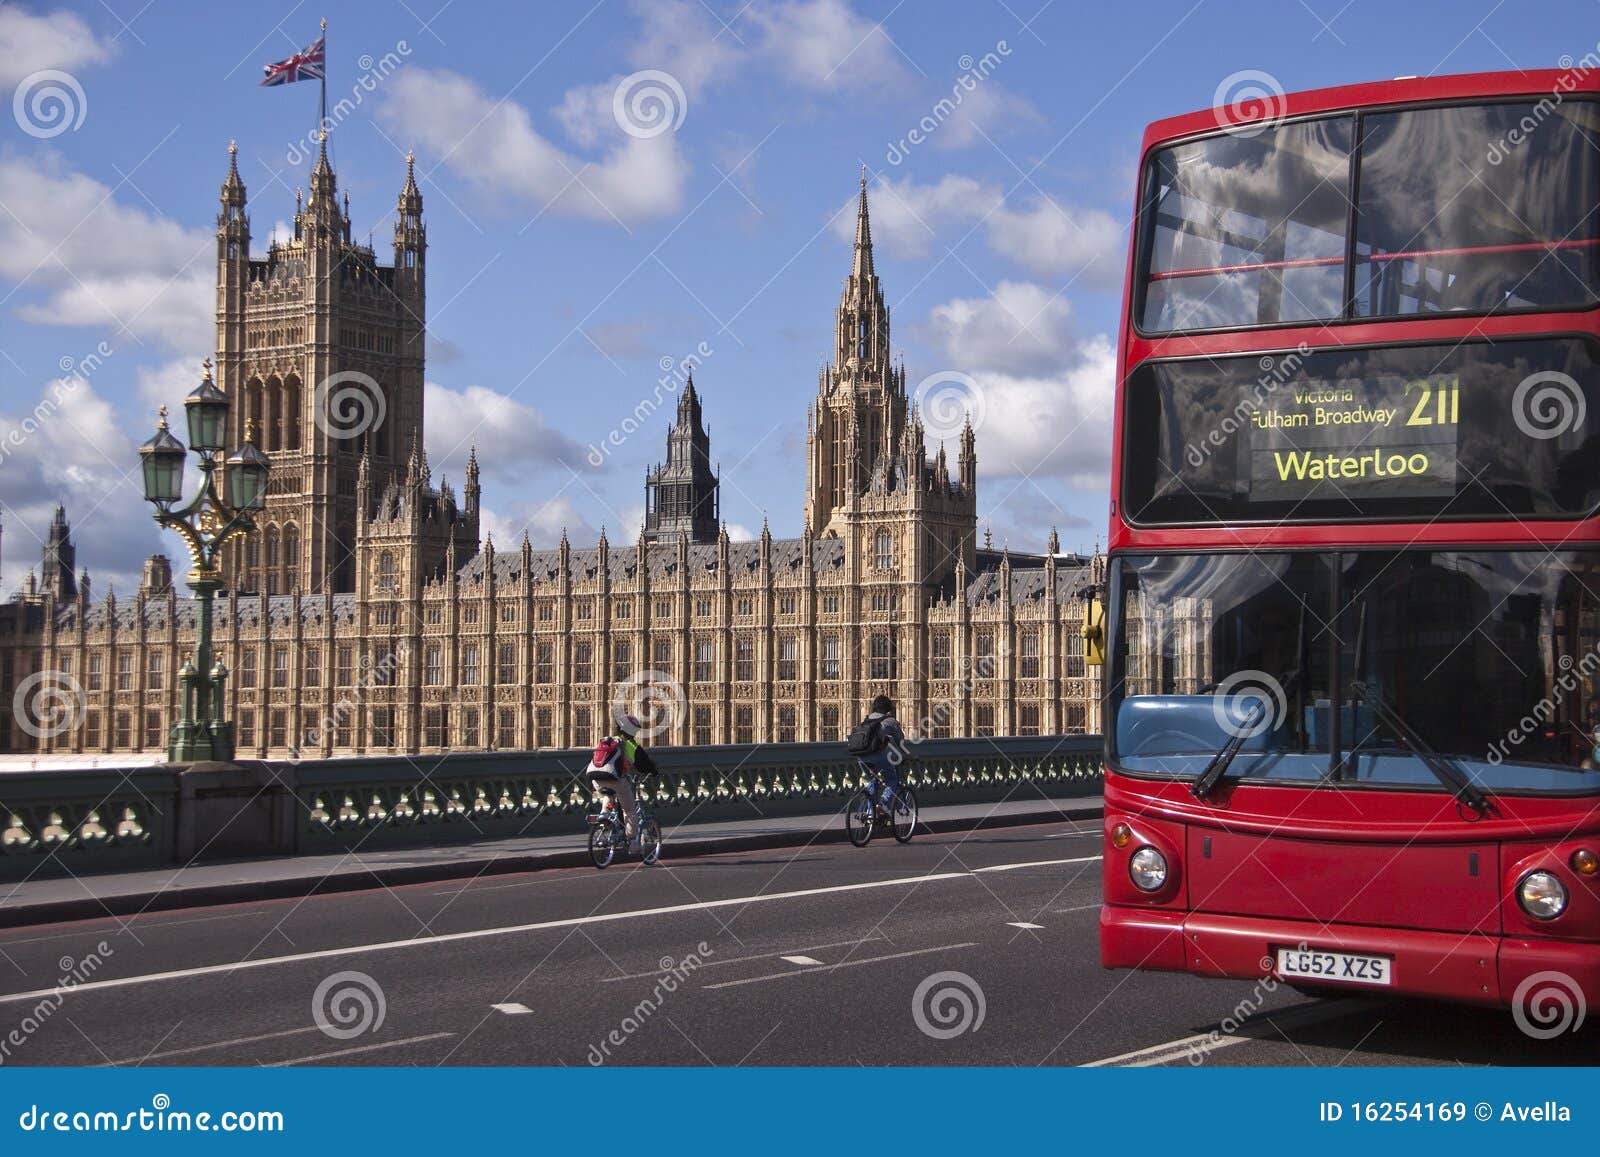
[205,525]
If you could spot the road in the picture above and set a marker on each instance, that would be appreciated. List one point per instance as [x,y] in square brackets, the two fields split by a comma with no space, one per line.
[809,956]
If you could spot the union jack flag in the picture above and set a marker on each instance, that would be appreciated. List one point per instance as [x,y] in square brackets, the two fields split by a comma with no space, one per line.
[303,65]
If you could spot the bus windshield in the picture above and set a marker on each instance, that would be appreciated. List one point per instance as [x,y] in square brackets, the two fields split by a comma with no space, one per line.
[1455,209]
[1212,647]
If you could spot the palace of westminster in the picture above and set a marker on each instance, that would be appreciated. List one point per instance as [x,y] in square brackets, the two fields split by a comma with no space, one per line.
[365,614]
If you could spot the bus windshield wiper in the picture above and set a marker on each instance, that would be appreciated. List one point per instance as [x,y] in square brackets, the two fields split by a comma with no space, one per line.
[1443,770]
[1208,779]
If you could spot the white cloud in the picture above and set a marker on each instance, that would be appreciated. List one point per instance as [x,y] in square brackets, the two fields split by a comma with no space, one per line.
[543,521]
[1050,240]
[66,446]
[83,258]
[1043,236]
[494,146]
[512,437]
[1022,328]
[684,38]
[826,43]
[907,218]
[1046,394]
[985,112]
[60,40]
[1051,426]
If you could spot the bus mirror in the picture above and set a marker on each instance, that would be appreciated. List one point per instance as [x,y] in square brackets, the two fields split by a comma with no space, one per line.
[1094,632]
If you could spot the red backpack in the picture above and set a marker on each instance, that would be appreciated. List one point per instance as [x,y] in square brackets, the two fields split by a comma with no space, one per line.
[606,753]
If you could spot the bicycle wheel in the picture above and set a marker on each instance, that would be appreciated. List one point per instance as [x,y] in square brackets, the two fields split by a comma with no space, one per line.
[650,841]
[858,819]
[602,845]
[904,814]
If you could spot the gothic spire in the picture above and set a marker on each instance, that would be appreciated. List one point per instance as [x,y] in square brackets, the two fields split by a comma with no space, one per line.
[232,186]
[861,260]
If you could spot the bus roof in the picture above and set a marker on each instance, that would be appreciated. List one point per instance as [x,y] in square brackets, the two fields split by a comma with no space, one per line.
[1583,76]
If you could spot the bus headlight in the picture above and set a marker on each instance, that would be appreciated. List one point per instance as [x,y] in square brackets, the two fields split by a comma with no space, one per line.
[1542,896]
[1148,869]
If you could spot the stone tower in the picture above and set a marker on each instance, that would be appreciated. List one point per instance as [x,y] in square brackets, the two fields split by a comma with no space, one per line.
[681,495]
[321,349]
[60,560]
[869,481]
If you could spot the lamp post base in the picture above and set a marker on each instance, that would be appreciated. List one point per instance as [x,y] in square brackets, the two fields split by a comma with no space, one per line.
[200,742]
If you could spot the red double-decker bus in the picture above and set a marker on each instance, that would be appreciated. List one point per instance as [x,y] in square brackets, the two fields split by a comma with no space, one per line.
[1352,614]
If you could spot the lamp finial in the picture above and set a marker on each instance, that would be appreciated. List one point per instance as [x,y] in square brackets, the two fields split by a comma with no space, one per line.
[161,413]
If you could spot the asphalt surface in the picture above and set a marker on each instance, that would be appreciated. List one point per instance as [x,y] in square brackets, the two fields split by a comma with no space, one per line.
[794,956]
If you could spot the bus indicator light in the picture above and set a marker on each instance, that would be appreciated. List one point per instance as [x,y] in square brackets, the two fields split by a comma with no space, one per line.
[1121,835]
[1585,863]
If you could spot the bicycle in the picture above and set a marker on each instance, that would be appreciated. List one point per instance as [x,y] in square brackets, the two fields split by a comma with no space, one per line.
[608,837]
[862,817]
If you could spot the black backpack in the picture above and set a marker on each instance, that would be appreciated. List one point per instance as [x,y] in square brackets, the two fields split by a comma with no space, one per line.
[866,738]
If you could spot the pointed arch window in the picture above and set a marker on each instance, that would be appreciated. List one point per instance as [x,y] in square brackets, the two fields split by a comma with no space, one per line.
[883,550]
[861,337]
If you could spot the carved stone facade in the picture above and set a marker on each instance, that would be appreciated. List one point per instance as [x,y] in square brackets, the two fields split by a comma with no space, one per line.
[378,624]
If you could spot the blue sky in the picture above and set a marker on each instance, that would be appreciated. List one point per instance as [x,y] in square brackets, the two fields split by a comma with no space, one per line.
[568,257]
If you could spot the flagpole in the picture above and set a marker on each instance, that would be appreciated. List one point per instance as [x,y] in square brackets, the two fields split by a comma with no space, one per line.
[322,121]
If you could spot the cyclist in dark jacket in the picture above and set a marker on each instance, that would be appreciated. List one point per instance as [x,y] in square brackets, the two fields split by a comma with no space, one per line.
[891,750]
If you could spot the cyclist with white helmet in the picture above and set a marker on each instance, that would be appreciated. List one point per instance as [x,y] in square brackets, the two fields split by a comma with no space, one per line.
[617,757]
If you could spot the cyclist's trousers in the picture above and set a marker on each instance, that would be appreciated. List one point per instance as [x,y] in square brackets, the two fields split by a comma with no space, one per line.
[610,781]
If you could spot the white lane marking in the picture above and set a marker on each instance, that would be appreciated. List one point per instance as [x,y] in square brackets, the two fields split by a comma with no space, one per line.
[1079,908]
[512,1009]
[809,961]
[1025,925]
[221,1044]
[1297,1016]
[475,934]
[410,1040]
[722,960]
[845,964]
[509,930]
[1036,864]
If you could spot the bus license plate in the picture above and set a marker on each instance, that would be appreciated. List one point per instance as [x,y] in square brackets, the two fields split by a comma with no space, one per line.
[1336,967]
